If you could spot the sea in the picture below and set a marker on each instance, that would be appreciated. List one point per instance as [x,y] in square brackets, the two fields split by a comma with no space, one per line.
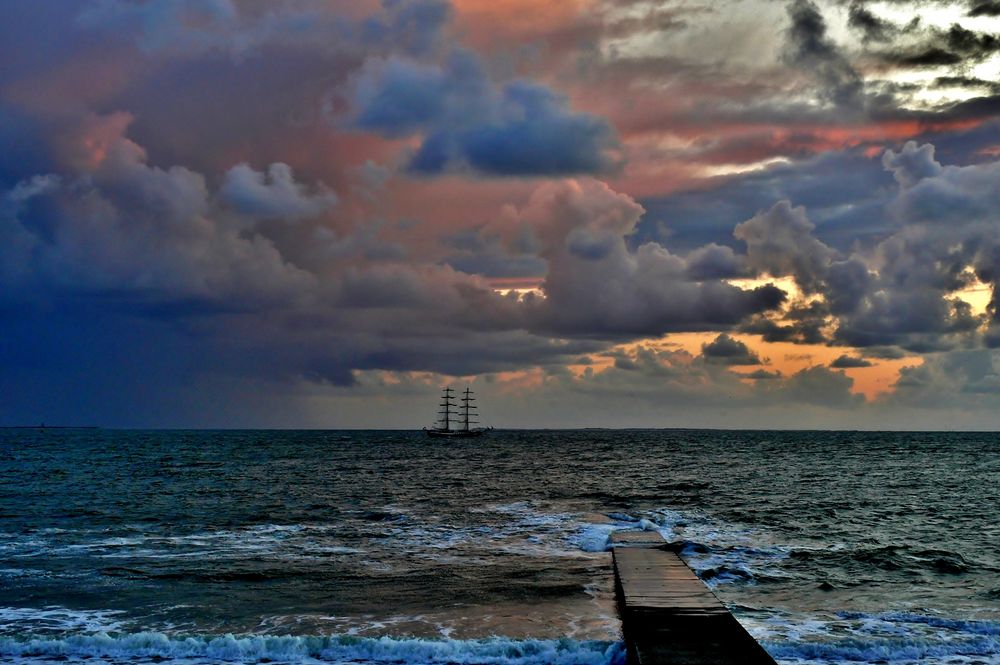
[389,547]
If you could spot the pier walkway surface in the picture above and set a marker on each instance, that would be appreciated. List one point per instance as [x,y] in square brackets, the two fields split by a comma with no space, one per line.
[669,616]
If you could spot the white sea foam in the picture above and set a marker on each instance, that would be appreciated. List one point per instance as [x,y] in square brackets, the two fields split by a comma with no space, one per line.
[316,649]
[890,637]
[287,541]
[719,552]
[519,528]
[901,651]
[594,537]
[59,619]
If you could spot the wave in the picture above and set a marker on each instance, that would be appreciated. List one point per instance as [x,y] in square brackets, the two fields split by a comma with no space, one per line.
[884,637]
[969,626]
[58,618]
[721,552]
[324,649]
[883,651]
[890,558]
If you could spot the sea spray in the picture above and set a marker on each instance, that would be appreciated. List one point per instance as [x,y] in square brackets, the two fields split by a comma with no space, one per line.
[334,649]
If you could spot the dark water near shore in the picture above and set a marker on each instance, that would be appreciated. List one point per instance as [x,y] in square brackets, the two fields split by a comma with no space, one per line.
[388,547]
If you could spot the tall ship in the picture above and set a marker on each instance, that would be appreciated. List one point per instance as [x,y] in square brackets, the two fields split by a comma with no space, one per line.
[456,421]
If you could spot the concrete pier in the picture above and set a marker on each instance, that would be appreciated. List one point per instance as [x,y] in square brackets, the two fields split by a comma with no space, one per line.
[669,616]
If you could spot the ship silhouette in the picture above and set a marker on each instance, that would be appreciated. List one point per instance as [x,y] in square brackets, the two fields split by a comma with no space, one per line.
[457,421]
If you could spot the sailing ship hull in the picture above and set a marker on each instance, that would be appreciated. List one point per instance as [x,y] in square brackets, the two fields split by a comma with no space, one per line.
[455,433]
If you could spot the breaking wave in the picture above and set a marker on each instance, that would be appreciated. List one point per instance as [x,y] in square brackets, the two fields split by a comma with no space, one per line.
[886,637]
[315,649]
[887,651]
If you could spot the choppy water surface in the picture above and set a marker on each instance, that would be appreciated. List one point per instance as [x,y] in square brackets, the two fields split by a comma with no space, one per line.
[387,547]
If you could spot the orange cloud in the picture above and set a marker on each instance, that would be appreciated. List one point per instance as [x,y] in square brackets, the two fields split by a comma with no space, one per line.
[789,358]
[486,23]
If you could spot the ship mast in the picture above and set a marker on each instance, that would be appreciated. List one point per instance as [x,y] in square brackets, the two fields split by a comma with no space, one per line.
[467,409]
[447,404]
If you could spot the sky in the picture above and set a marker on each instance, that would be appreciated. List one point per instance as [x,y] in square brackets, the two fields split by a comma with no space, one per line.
[594,213]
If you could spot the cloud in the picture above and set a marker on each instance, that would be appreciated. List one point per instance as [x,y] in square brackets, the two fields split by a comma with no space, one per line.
[141,246]
[715,261]
[954,46]
[810,47]
[912,164]
[821,386]
[872,27]
[950,217]
[844,193]
[485,252]
[762,375]
[178,25]
[169,227]
[192,28]
[960,384]
[273,194]
[780,242]
[849,362]
[901,289]
[647,385]
[597,286]
[729,351]
[205,273]
[142,233]
[984,8]
[468,122]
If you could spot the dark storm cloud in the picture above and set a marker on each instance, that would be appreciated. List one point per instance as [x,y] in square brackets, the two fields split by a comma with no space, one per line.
[210,276]
[171,241]
[597,286]
[984,8]
[226,269]
[899,291]
[895,288]
[932,56]
[763,375]
[207,83]
[715,261]
[965,82]
[854,94]
[466,121]
[135,245]
[849,362]
[729,351]
[954,46]
[810,47]
[479,252]
[770,331]
[844,193]
[872,27]
[780,242]
[134,230]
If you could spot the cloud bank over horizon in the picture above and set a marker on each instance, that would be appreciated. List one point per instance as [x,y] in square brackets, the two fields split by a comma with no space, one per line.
[313,213]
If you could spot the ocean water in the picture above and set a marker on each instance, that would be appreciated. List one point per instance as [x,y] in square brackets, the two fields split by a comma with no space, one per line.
[387,547]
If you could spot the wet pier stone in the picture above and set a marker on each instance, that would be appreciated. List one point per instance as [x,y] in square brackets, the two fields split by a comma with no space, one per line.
[669,616]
